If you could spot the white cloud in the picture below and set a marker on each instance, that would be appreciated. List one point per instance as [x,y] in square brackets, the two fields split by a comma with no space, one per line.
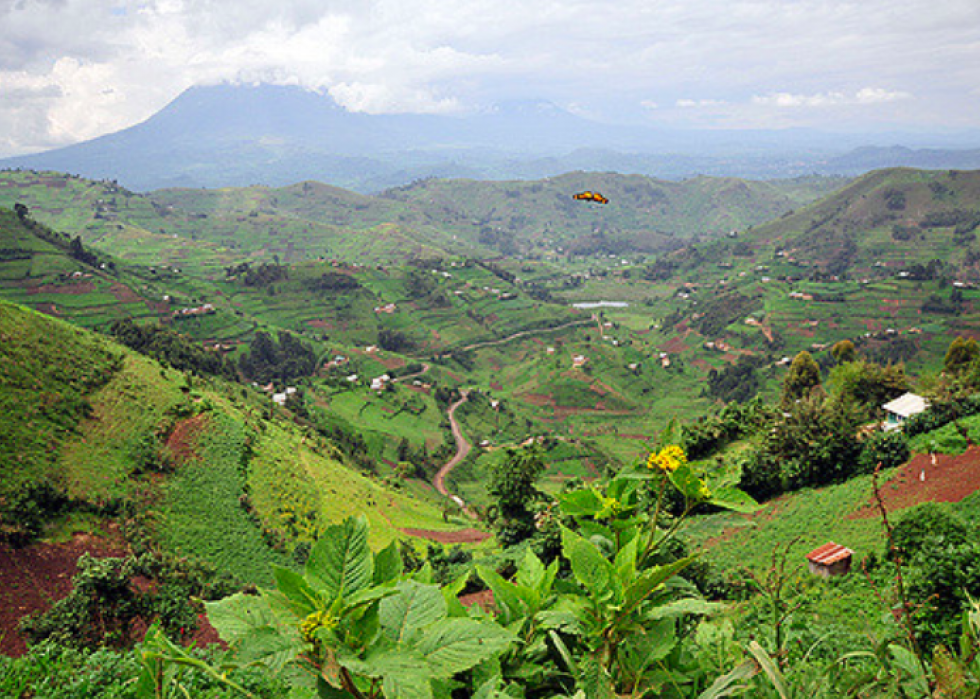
[867,95]
[699,104]
[110,63]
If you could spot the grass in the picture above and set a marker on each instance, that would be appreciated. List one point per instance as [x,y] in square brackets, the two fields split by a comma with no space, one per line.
[203,515]
[815,517]
[134,403]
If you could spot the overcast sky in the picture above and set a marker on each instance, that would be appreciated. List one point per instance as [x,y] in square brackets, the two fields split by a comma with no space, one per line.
[71,70]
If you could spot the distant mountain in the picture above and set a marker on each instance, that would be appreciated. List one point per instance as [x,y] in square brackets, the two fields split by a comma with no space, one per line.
[228,135]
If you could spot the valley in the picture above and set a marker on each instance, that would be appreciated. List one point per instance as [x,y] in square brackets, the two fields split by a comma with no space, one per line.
[228,374]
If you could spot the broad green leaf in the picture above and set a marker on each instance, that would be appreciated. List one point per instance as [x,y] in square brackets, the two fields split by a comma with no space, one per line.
[341,562]
[388,564]
[505,596]
[734,499]
[303,599]
[731,683]
[454,645]
[531,572]
[625,561]
[595,681]
[649,581]
[451,594]
[687,482]
[237,616]
[589,566]
[652,644]
[403,672]
[580,503]
[416,605]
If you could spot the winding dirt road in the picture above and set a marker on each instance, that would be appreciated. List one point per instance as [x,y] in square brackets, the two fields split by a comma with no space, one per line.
[462,449]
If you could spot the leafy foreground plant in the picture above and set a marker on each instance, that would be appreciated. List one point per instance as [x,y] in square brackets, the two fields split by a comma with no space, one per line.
[354,625]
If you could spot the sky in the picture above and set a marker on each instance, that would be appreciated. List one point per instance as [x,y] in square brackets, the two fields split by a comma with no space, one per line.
[71,70]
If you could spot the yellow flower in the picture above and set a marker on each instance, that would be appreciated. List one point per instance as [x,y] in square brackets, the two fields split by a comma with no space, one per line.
[670,458]
[315,621]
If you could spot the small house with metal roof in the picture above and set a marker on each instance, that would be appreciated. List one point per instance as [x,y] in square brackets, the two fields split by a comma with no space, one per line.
[901,409]
[830,560]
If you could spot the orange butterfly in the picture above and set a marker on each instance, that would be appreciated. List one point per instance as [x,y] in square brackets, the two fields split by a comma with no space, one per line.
[591,196]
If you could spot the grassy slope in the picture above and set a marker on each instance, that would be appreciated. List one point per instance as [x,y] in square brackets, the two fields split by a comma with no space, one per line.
[49,373]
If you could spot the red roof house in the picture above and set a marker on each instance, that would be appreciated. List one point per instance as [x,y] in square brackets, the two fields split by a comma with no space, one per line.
[830,560]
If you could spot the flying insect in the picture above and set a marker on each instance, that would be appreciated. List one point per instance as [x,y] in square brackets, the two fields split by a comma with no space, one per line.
[590,196]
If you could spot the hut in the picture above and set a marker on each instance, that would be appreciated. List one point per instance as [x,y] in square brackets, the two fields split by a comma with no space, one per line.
[830,560]
[901,409]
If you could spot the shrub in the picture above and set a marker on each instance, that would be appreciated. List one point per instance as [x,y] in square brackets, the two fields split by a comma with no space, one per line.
[887,448]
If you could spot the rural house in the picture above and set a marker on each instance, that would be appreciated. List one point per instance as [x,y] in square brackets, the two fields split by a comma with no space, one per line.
[830,560]
[901,409]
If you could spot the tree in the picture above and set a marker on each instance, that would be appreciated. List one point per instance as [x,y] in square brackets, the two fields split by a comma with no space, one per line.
[867,384]
[23,213]
[512,487]
[843,352]
[803,376]
[961,353]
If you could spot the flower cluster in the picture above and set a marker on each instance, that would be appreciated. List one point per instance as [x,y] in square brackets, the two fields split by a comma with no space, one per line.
[315,621]
[670,458]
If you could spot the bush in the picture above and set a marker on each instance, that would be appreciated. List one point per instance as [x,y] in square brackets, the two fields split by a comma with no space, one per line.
[887,448]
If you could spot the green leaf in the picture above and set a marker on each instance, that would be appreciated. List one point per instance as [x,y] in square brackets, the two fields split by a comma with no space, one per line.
[650,580]
[403,672]
[732,682]
[687,482]
[734,499]
[595,681]
[625,561]
[589,566]
[253,632]
[454,645]
[416,605]
[504,595]
[451,593]
[237,616]
[387,564]
[532,572]
[302,598]
[341,562]
[770,668]
[580,503]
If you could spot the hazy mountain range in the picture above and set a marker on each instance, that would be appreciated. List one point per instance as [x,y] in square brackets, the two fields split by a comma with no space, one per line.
[239,135]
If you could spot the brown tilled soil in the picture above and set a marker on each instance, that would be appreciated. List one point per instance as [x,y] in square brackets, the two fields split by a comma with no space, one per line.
[184,436]
[72,289]
[950,480]
[34,577]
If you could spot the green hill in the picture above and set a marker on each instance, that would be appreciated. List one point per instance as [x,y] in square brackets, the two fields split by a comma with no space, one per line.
[91,429]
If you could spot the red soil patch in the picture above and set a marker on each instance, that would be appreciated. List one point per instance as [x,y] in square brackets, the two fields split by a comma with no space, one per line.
[950,480]
[183,438]
[462,536]
[124,294]
[73,289]
[34,577]
[496,386]
[48,309]
[538,400]
[484,599]
[674,345]
[390,362]
[319,324]
[701,364]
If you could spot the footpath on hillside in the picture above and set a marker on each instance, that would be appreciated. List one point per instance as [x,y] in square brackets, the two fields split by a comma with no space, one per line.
[439,482]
